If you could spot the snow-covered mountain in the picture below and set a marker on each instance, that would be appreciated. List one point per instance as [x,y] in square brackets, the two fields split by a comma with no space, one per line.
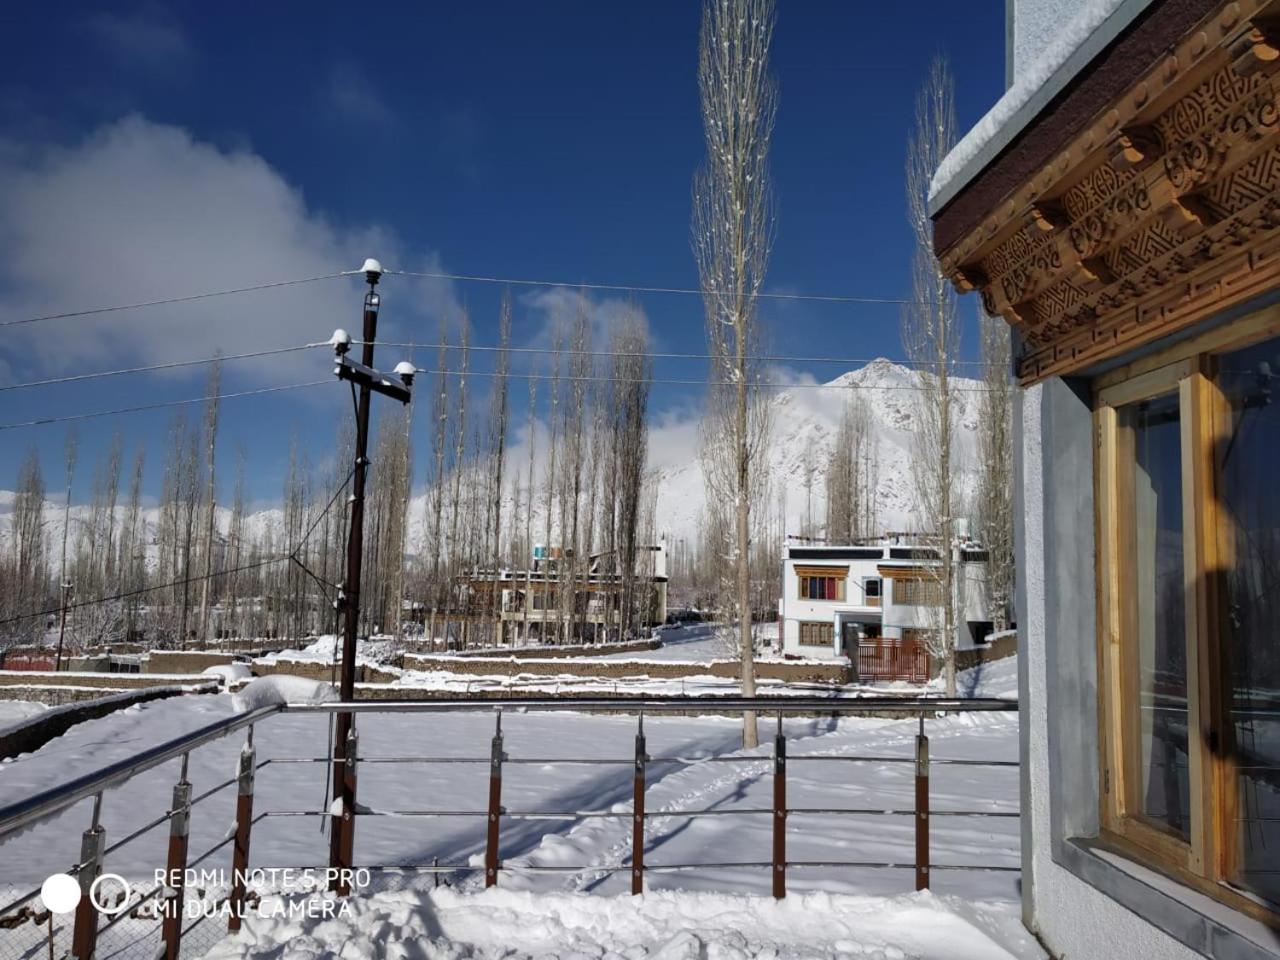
[805,417]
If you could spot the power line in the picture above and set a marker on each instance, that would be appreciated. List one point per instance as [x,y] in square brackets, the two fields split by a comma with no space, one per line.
[631,288]
[847,361]
[126,594]
[169,300]
[762,384]
[43,421]
[173,365]
[674,381]
[291,556]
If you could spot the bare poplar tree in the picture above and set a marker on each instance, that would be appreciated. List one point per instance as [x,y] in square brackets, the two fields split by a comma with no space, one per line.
[64,587]
[554,422]
[809,470]
[580,371]
[210,492]
[498,447]
[439,448]
[189,480]
[455,556]
[733,224]
[931,338]
[995,470]
[848,481]
[528,510]
[629,395]
[236,549]
[132,562]
[26,582]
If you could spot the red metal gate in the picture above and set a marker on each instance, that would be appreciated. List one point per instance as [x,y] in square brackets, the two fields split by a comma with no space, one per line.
[884,659]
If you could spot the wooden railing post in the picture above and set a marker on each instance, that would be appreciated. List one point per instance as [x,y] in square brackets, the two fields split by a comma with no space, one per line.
[93,845]
[922,808]
[244,825]
[176,865]
[779,813]
[637,815]
[344,847]
[495,808]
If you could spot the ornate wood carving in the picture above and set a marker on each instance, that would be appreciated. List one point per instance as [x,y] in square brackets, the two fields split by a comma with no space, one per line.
[1165,210]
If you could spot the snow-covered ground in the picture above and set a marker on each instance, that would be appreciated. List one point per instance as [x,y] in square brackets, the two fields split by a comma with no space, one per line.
[544,786]
[696,642]
[445,925]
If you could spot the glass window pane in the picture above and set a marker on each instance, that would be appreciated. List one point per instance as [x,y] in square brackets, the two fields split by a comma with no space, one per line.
[1158,655]
[1249,461]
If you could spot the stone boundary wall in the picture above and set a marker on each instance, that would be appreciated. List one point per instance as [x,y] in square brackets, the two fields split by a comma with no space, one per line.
[423,648]
[115,681]
[34,732]
[184,661]
[320,670]
[55,696]
[795,671]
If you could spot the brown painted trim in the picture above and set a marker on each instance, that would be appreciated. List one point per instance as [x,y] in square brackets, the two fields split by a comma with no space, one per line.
[1110,74]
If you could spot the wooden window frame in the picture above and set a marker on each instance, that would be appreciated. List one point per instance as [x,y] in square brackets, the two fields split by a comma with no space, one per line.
[827,625]
[839,576]
[1206,860]
[917,592]
[877,599]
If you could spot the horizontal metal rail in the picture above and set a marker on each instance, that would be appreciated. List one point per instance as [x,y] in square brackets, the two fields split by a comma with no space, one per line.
[628,761]
[888,706]
[19,814]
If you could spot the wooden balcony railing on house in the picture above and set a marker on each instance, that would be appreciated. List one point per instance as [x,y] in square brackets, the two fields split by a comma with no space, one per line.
[884,659]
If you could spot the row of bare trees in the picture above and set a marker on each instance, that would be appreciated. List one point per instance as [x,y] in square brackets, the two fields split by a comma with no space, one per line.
[582,491]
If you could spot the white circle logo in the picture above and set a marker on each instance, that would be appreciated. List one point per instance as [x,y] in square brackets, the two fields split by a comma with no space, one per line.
[60,893]
[95,895]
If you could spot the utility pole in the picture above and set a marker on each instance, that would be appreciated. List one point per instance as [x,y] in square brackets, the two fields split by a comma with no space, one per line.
[342,836]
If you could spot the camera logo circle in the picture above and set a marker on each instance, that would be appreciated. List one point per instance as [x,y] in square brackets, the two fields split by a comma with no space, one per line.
[60,893]
[97,896]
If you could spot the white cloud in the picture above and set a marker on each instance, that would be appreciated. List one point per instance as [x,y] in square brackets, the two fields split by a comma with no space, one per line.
[143,38]
[559,307]
[353,96]
[141,211]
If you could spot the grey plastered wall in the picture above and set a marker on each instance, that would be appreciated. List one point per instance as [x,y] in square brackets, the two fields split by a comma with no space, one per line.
[1070,567]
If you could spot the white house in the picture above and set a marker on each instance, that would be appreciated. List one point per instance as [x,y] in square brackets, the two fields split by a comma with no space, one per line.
[873,602]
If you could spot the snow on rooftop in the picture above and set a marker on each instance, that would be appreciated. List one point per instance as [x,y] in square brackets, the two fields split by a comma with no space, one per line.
[1092,14]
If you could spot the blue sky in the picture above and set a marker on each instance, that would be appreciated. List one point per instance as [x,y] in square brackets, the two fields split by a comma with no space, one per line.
[156,150]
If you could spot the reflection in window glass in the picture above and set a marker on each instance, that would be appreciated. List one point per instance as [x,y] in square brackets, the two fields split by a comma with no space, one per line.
[1249,461]
[1158,656]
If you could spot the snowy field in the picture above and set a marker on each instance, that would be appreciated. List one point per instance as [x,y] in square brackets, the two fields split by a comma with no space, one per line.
[695,643]
[544,786]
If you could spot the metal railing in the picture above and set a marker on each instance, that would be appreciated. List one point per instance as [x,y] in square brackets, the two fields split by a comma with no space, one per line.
[90,922]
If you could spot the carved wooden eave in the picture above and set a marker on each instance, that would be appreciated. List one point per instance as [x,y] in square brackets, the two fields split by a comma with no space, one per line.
[1163,211]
